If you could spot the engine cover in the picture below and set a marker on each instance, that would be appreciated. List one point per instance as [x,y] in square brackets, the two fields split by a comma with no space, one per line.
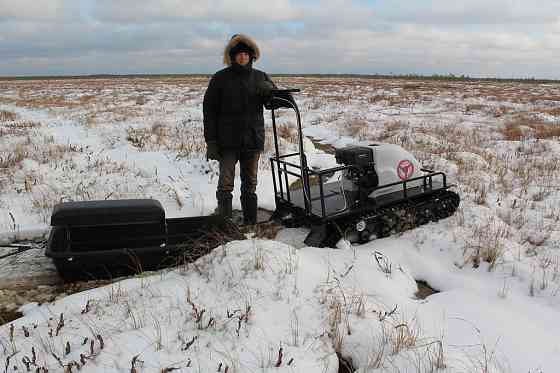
[395,164]
[364,174]
[380,164]
[361,156]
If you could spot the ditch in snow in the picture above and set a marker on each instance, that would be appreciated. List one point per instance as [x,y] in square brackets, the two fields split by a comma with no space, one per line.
[424,290]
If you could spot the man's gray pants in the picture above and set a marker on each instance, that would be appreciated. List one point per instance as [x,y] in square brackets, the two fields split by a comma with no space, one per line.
[248,164]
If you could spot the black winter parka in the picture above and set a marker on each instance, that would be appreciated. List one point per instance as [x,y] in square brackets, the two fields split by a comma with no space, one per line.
[233,110]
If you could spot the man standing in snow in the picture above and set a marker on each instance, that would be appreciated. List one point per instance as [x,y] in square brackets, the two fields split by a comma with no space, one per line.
[234,123]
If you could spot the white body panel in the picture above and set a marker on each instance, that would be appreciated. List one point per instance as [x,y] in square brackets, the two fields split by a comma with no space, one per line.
[393,164]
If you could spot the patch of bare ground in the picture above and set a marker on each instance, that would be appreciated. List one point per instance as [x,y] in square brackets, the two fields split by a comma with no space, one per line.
[424,290]
[555,111]
[7,316]
[38,289]
[525,126]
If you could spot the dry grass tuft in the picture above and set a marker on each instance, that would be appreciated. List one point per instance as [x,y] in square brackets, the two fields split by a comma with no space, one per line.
[86,99]
[486,243]
[357,129]
[7,116]
[546,130]
[13,157]
[470,108]
[287,132]
[19,128]
[376,99]
[404,335]
[527,126]
[185,139]
[554,111]
[141,100]
[512,132]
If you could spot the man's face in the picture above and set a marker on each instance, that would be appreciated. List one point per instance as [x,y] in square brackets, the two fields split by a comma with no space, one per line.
[242,58]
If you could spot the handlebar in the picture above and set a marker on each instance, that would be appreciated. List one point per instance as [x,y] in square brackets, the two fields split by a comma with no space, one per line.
[286,90]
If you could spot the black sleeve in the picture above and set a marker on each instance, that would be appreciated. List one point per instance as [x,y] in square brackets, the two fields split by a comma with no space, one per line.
[267,100]
[210,110]
[267,79]
[279,100]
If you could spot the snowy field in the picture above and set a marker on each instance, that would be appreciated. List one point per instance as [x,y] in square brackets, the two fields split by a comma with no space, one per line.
[275,305]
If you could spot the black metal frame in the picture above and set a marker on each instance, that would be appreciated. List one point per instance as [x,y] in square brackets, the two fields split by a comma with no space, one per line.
[280,172]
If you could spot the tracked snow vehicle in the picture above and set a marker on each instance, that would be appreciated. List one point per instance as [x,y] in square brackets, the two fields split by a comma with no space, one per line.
[376,190]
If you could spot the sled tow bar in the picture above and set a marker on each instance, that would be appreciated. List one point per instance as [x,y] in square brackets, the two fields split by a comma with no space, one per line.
[21,248]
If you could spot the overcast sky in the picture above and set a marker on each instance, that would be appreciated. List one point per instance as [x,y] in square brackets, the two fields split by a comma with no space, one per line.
[488,38]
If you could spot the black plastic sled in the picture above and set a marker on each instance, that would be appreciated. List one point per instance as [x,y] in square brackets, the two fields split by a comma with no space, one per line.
[105,239]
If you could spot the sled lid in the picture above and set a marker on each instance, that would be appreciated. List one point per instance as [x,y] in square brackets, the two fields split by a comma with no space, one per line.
[107,212]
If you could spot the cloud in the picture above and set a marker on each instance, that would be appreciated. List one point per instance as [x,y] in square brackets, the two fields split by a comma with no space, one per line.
[472,12]
[32,9]
[212,10]
[480,38]
[425,49]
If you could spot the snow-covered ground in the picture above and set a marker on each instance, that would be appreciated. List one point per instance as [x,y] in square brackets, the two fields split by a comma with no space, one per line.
[259,305]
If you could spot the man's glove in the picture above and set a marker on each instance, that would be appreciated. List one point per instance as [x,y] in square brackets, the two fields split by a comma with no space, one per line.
[264,89]
[282,99]
[212,151]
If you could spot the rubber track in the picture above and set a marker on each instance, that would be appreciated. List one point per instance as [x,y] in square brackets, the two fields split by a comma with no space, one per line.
[398,218]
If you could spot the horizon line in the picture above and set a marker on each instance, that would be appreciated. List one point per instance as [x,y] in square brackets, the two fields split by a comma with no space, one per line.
[349,75]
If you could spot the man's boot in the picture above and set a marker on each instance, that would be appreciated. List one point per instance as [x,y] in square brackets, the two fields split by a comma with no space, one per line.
[224,205]
[249,206]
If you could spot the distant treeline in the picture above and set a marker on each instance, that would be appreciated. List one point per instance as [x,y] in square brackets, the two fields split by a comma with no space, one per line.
[102,76]
[446,77]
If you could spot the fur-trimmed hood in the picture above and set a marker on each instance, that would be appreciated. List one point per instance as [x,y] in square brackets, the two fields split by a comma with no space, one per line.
[240,38]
